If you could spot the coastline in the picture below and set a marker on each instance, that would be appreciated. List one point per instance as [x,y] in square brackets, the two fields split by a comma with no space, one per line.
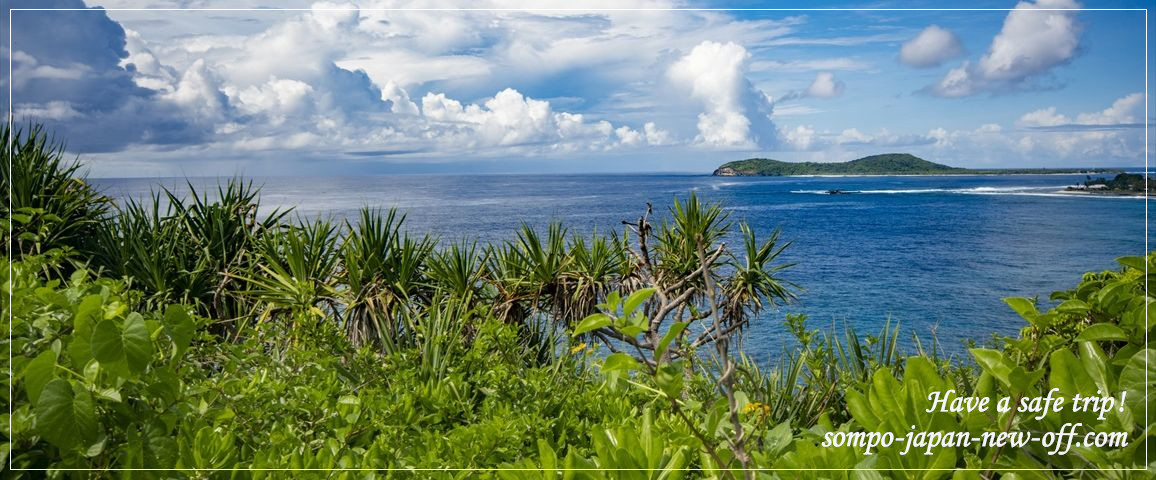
[844,175]
[1092,193]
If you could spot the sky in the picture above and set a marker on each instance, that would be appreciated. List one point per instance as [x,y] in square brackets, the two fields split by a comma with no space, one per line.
[176,88]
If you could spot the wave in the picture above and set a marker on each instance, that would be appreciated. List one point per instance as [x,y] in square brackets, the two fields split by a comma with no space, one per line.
[1032,191]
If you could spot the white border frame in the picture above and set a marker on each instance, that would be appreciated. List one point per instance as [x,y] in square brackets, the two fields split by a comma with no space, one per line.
[11,375]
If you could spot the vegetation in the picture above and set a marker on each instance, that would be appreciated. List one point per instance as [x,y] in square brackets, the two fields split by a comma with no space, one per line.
[193,333]
[885,164]
[1132,183]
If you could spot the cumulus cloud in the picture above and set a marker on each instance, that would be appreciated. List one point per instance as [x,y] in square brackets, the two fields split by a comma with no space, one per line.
[735,113]
[807,138]
[297,83]
[825,85]
[799,138]
[69,67]
[933,46]
[853,135]
[1106,137]
[1031,43]
[1044,117]
[1124,112]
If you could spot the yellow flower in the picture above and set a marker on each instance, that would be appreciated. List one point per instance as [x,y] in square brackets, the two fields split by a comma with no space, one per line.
[578,348]
[762,408]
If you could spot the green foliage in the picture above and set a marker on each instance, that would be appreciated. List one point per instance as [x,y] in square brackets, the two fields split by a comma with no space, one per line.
[1124,182]
[203,335]
[48,205]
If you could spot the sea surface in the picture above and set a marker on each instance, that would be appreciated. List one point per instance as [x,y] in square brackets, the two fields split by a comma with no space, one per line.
[935,253]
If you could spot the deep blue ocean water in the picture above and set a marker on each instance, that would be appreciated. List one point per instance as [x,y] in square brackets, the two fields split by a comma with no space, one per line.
[934,253]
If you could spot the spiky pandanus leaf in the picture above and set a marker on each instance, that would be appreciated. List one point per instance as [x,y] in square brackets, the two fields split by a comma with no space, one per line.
[49,205]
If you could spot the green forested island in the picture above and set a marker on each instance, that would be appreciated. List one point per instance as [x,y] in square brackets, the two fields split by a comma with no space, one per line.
[883,164]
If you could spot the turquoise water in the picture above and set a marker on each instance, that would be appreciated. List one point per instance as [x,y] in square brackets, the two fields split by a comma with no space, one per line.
[935,253]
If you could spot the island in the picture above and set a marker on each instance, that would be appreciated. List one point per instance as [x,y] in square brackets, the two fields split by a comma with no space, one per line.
[884,164]
[1131,184]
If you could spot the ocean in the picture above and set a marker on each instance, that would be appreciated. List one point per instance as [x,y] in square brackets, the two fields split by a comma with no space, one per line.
[934,253]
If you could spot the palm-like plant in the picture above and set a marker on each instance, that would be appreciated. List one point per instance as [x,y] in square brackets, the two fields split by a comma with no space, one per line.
[692,224]
[755,282]
[149,245]
[48,203]
[528,273]
[224,234]
[595,269]
[295,273]
[384,272]
[457,270]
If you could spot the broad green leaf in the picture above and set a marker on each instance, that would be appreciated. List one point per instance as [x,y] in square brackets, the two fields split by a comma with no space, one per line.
[619,362]
[591,323]
[66,416]
[111,344]
[675,330]
[1140,366]
[1073,306]
[88,313]
[1022,381]
[635,299]
[669,378]
[631,330]
[38,373]
[1023,306]
[1092,358]
[179,326]
[1132,262]
[992,362]
[1101,332]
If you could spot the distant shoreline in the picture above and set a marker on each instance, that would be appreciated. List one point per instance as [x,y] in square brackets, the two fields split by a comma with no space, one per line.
[963,174]
[1093,193]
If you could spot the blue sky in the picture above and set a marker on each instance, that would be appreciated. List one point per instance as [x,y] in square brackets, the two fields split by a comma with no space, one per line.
[364,88]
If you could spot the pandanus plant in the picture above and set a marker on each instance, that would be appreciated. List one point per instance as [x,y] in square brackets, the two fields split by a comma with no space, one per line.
[527,273]
[147,244]
[52,205]
[224,233]
[385,276]
[295,276]
[191,250]
[457,270]
[595,269]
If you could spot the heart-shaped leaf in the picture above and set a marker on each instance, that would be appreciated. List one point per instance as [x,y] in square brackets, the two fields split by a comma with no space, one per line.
[66,416]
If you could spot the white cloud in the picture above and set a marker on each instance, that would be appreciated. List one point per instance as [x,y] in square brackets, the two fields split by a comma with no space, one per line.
[1031,43]
[933,46]
[1124,111]
[1047,137]
[736,114]
[507,119]
[853,135]
[825,85]
[510,119]
[803,65]
[1044,117]
[800,138]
